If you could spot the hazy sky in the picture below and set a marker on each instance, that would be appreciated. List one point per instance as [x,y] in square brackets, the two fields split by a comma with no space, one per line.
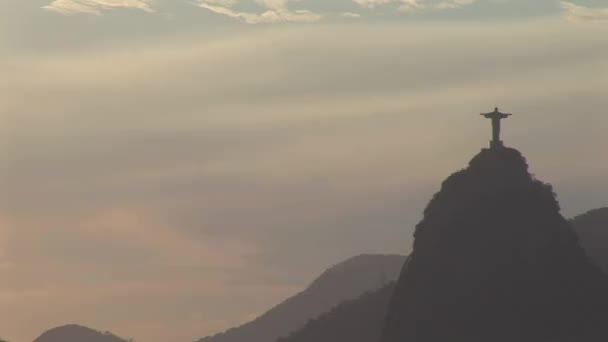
[172,168]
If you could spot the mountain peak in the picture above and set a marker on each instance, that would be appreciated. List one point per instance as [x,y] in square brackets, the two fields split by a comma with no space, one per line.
[500,161]
[494,260]
[492,168]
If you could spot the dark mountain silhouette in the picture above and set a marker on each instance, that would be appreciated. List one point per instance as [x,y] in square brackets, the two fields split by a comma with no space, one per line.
[494,260]
[345,281]
[493,250]
[76,333]
[357,320]
[592,229]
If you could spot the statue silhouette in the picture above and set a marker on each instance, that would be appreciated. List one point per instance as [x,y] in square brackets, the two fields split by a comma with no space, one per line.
[496,117]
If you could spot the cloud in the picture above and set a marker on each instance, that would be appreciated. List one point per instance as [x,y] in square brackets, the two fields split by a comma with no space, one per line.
[410,5]
[575,12]
[224,3]
[350,15]
[372,3]
[453,4]
[96,6]
[415,5]
[276,11]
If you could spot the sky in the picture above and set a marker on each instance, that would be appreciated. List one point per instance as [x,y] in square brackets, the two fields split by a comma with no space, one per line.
[173,168]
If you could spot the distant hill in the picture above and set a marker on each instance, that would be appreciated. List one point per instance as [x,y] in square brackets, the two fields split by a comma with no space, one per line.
[357,320]
[592,229]
[342,282]
[76,333]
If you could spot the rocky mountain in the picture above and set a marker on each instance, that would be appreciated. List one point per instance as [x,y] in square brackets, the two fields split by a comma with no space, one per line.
[343,282]
[76,333]
[592,229]
[494,260]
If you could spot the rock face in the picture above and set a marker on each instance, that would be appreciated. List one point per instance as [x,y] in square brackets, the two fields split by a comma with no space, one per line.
[592,229]
[76,333]
[345,281]
[494,260]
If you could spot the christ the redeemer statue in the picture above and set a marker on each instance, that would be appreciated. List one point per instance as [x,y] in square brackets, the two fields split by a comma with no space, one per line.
[496,117]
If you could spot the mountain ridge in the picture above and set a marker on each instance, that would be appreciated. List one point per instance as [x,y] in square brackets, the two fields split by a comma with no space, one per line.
[344,281]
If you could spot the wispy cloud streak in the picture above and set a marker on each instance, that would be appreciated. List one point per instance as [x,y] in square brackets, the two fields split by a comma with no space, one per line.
[276,11]
[576,12]
[415,5]
[96,6]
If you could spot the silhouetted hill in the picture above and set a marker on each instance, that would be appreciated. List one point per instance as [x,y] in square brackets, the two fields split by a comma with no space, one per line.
[76,333]
[494,260]
[342,282]
[357,320]
[592,229]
